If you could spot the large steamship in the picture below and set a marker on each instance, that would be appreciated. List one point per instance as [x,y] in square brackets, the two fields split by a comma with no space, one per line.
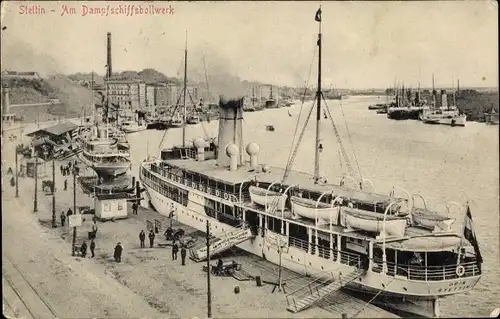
[358,240]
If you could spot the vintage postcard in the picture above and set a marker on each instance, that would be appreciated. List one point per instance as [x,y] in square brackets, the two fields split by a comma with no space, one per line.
[250,159]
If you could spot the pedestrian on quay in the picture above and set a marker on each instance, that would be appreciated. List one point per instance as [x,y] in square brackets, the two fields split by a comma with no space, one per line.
[63,218]
[94,230]
[151,238]
[65,184]
[70,212]
[69,166]
[183,255]
[134,208]
[62,170]
[175,249]
[83,249]
[142,238]
[118,252]
[92,248]
[12,182]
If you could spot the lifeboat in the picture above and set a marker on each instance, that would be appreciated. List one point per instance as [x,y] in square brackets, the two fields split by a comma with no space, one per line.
[431,220]
[304,207]
[258,196]
[373,222]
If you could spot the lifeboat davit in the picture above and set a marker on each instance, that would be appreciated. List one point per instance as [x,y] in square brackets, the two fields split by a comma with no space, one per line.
[431,220]
[303,207]
[373,222]
[258,195]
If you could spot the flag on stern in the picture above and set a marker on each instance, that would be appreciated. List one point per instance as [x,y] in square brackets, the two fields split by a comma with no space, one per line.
[317,17]
[470,234]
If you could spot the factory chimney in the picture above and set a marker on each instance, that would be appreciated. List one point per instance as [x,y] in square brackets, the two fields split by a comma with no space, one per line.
[5,100]
[230,144]
[109,71]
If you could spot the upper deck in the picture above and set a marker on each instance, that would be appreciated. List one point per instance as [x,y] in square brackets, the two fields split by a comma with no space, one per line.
[269,174]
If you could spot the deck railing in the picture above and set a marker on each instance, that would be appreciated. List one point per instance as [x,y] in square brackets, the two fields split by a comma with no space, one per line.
[430,273]
[194,184]
[346,258]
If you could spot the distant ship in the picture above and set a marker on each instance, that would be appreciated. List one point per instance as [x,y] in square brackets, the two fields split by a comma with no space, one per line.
[106,155]
[133,126]
[445,115]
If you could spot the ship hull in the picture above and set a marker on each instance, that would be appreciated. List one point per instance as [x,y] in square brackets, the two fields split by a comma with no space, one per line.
[303,261]
[134,129]
[105,169]
[455,121]
[403,114]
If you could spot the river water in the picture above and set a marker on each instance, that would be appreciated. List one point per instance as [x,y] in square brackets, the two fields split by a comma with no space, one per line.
[441,163]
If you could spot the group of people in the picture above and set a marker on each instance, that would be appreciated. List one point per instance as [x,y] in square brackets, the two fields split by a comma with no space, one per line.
[83,248]
[175,246]
[66,170]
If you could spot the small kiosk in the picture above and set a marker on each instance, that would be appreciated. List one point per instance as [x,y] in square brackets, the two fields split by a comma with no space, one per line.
[110,206]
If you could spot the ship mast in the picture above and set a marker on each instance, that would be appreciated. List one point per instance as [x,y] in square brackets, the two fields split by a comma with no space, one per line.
[433,93]
[318,107]
[185,88]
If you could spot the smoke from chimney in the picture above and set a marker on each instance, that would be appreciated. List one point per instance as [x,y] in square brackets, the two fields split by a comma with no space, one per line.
[109,71]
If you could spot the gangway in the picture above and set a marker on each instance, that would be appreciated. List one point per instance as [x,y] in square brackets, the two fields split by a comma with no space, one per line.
[318,289]
[222,242]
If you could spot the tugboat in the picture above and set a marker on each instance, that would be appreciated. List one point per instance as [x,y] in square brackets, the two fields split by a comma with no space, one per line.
[343,238]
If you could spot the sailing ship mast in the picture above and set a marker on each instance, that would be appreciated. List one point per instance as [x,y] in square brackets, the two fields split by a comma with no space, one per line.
[184,103]
[318,97]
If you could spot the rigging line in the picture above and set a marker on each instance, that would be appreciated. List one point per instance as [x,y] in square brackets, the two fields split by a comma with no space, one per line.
[206,78]
[290,163]
[350,140]
[339,140]
[378,293]
[301,106]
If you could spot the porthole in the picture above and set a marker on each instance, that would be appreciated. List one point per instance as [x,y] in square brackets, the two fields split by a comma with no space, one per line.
[321,266]
[310,264]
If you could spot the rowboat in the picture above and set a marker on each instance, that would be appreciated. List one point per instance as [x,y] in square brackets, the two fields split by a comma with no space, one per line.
[430,220]
[304,207]
[373,222]
[258,195]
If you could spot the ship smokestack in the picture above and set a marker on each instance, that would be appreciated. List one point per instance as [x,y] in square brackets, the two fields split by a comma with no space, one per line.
[200,144]
[5,100]
[230,130]
[444,99]
[253,150]
[109,69]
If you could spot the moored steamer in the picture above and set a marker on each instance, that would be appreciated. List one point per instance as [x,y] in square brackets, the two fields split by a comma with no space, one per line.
[409,266]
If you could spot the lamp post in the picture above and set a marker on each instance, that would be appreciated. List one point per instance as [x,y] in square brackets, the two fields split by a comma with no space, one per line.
[35,201]
[74,211]
[209,293]
[17,173]
[54,194]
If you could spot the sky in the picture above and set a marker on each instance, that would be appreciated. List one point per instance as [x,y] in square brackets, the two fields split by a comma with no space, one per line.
[365,44]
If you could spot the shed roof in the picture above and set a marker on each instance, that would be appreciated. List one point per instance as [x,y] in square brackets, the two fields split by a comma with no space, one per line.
[58,129]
